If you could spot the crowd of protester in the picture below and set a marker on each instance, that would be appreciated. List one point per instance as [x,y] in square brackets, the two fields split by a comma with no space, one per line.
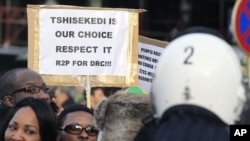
[196,94]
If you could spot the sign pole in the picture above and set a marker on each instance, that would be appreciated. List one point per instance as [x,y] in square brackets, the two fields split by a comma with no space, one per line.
[247,69]
[88,91]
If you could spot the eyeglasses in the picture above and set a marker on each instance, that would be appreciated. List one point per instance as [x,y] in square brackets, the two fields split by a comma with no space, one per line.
[31,89]
[77,130]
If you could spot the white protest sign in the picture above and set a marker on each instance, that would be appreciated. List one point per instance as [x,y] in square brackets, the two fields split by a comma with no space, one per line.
[83,42]
[149,51]
[73,45]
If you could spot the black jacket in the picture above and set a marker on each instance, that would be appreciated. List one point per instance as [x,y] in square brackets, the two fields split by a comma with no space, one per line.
[191,123]
[3,113]
[147,132]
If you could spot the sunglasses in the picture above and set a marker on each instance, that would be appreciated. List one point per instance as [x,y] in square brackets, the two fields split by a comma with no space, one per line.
[77,130]
[31,89]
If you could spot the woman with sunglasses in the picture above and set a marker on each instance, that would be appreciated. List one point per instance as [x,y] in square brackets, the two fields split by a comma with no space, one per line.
[30,120]
[75,123]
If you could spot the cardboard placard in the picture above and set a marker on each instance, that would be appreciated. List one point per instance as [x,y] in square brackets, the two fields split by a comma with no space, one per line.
[71,45]
[149,51]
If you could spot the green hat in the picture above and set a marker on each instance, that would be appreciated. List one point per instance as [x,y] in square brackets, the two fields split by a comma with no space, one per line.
[135,90]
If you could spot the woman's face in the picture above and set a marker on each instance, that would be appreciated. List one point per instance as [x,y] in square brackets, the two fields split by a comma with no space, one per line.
[23,126]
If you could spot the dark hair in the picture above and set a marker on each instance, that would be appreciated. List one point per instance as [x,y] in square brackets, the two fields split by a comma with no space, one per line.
[7,81]
[70,109]
[107,91]
[111,90]
[45,116]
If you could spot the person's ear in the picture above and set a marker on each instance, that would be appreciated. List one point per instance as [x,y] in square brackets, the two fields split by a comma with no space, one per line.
[8,100]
